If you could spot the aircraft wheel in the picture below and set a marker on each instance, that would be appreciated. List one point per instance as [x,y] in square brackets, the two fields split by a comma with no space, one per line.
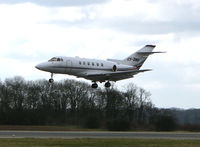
[94,85]
[107,84]
[51,80]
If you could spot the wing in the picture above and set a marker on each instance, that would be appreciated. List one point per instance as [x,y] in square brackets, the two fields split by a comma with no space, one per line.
[113,76]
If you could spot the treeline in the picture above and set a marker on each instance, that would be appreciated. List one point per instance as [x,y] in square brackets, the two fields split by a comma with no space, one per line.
[188,120]
[70,102]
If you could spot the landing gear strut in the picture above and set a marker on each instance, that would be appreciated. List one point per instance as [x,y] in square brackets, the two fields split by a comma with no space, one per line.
[107,84]
[51,79]
[94,85]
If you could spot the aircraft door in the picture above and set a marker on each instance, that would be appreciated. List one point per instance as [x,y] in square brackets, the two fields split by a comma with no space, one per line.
[68,66]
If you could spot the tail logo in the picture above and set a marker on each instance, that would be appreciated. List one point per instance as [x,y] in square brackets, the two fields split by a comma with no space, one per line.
[133,59]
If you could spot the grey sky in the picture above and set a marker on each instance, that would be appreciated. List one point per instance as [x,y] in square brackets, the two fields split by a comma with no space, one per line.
[34,31]
[55,3]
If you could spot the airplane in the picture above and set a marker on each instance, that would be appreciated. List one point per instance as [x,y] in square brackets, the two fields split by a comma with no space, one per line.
[99,70]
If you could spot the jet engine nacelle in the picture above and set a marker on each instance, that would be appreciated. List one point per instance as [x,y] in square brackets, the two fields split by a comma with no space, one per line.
[114,68]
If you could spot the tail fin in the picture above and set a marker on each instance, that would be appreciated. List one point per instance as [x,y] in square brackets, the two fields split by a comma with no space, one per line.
[138,58]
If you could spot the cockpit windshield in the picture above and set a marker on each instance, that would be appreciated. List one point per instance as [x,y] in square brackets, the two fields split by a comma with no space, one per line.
[55,59]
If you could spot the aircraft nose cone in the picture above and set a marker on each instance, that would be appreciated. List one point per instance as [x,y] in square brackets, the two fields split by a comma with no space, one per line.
[38,66]
[43,66]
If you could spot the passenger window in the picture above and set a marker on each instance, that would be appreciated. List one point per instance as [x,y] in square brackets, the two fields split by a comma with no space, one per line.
[83,62]
[88,63]
[80,62]
[92,63]
[58,59]
[61,59]
[101,64]
[97,64]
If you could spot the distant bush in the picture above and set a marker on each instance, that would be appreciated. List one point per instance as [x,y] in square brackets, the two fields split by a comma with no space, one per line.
[165,123]
[92,122]
[191,127]
[118,125]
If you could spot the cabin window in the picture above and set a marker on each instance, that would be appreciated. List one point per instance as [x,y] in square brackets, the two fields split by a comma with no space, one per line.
[92,63]
[97,64]
[101,64]
[80,62]
[59,59]
[83,62]
[88,63]
[53,59]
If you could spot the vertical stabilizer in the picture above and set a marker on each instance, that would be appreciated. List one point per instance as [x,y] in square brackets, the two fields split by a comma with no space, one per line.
[138,58]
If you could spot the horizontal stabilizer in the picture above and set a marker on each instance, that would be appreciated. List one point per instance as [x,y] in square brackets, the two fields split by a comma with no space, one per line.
[148,53]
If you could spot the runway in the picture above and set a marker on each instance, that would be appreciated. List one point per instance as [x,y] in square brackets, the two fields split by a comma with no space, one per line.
[85,134]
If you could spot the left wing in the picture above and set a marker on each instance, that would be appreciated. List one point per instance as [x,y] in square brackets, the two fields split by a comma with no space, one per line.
[113,76]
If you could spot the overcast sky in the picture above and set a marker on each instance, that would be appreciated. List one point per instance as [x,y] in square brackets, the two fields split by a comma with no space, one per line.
[32,31]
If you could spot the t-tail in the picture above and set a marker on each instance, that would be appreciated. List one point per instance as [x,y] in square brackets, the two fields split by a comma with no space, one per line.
[138,58]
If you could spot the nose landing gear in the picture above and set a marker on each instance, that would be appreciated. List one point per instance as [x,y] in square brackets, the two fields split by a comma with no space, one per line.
[51,79]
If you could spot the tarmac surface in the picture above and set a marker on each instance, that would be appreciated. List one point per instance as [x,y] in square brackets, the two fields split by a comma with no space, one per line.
[85,134]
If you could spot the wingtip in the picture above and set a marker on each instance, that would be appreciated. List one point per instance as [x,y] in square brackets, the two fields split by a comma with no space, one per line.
[149,45]
[148,69]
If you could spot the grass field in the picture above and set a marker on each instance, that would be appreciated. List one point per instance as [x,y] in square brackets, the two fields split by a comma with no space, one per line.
[28,142]
[46,128]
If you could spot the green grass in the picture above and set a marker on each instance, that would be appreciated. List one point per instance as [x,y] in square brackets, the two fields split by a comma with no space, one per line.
[46,128]
[98,143]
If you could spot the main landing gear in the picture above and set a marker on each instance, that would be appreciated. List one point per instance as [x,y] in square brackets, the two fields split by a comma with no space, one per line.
[107,84]
[51,79]
[95,85]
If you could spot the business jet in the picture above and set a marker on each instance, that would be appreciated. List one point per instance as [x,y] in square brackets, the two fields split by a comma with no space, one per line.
[99,70]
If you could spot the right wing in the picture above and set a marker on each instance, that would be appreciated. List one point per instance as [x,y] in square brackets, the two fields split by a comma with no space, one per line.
[113,76]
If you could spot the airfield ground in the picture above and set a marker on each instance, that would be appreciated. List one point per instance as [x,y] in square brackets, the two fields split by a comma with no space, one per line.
[98,142]
[73,136]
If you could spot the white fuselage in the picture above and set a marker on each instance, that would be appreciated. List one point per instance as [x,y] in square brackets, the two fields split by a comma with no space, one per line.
[81,67]
[99,70]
